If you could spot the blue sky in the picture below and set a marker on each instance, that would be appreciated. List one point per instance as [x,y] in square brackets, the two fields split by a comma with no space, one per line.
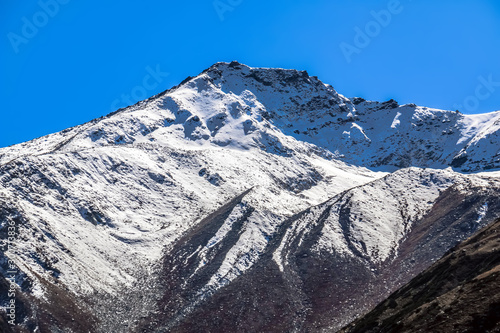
[65,62]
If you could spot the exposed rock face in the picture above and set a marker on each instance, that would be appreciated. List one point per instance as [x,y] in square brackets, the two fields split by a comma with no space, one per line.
[249,198]
[458,293]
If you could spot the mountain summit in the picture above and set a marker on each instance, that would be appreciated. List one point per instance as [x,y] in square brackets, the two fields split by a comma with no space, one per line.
[229,101]
[243,199]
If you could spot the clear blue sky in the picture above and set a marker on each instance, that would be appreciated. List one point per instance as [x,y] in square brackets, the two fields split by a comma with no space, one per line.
[62,66]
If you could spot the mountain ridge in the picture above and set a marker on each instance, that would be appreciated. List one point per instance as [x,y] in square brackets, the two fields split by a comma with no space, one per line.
[311,111]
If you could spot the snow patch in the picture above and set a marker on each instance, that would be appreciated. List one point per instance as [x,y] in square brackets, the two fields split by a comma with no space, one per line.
[396,122]
[482,212]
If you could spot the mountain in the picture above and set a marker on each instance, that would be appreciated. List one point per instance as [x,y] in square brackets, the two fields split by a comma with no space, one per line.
[249,198]
[458,293]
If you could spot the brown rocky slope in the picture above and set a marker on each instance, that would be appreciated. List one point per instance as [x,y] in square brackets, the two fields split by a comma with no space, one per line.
[459,293]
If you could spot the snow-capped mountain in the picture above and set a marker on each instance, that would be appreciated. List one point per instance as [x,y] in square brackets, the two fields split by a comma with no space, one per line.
[236,106]
[248,194]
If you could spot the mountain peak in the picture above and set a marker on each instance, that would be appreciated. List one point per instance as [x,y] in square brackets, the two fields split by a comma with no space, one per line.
[263,75]
[234,104]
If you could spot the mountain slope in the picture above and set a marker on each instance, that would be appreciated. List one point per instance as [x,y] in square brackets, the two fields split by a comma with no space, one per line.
[329,263]
[240,181]
[459,293]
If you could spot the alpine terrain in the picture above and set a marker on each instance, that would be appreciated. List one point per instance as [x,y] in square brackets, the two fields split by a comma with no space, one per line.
[242,200]
[459,293]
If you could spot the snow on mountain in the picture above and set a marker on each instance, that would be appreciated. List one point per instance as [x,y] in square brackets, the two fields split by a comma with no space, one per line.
[238,153]
[322,267]
[99,202]
[233,105]
[139,198]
